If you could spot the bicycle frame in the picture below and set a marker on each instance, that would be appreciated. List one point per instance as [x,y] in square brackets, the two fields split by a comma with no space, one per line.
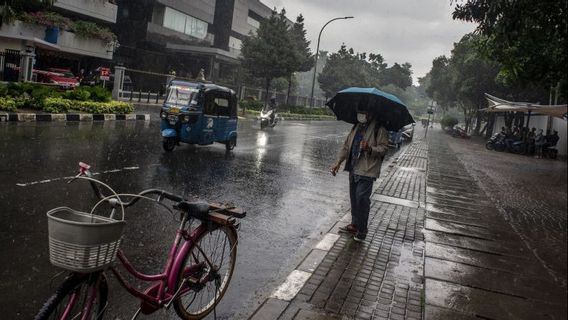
[163,292]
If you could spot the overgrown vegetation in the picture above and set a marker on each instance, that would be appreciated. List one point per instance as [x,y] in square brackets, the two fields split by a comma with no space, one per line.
[18,95]
[448,121]
[81,28]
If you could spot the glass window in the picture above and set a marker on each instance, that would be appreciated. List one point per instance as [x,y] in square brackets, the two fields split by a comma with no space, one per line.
[222,105]
[181,95]
[253,22]
[235,43]
[181,22]
[174,20]
[200,30]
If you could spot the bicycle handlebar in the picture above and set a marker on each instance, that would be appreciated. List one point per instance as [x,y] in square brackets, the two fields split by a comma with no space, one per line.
[84,170]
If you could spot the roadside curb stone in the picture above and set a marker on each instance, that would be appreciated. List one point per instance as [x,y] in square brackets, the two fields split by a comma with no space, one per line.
[61,117]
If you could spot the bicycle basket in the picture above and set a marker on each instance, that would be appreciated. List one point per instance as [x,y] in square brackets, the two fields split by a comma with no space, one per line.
[80,241]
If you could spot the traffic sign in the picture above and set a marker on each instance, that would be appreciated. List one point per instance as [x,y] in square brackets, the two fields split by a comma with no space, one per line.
[105,74]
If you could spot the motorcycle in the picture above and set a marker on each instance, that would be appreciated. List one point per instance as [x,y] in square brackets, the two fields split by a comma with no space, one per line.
[496,142]
[458,132]
[408,132]
[268,119]
[517,147]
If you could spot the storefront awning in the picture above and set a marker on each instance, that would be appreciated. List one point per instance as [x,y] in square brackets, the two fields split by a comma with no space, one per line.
[500,105]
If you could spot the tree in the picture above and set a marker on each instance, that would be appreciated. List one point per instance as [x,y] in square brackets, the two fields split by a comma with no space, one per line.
[473,76]
[440,85]
[398,75]
[268,54]
[343,69]
[303,59]
[528,38]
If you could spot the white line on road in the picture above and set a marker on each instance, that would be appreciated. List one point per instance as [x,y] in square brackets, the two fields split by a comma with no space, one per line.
[26,184]
[295,281]
[327,242]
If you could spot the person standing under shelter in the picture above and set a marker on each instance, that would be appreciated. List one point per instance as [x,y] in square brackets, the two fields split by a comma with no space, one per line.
[363,151]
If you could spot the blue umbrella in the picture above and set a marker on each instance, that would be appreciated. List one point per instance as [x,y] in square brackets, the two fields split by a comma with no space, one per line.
[386,108]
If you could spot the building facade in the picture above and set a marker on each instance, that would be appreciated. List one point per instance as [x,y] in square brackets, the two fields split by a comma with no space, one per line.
[27,43]
[185,36]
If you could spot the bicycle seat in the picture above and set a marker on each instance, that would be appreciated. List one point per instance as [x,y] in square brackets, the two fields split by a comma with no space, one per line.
[198,209]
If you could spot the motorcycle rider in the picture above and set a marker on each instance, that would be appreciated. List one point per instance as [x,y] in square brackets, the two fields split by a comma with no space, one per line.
[271,106]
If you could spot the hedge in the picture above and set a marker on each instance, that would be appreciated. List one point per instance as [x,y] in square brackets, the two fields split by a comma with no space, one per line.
[60,105]
[16,95]
[251,104]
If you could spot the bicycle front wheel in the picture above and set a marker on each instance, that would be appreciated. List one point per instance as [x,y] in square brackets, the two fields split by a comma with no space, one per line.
[80,296]
[219,246]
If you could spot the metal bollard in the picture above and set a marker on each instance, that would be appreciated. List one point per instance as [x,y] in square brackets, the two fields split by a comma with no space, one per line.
[157,95]
[131,94]
[139,95]
[148,100]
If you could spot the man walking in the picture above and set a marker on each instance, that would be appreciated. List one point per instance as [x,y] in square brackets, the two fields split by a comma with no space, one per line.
[364,150]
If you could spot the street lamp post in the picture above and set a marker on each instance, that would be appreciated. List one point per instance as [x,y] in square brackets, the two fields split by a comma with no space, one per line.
[317,53]
[430,112]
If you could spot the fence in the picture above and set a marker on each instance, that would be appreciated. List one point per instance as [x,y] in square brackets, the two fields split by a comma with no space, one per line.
[149,87]
[9,65]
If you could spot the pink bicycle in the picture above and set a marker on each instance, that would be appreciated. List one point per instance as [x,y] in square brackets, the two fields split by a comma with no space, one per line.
[196,275]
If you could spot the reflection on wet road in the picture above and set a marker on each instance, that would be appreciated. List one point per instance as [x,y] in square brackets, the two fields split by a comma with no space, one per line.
[280,177]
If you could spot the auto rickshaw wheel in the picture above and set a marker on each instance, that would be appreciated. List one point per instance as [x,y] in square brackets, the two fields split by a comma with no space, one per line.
[231,143]
[169,144]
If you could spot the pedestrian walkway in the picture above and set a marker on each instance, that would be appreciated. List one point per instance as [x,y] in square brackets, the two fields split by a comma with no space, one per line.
[436,249]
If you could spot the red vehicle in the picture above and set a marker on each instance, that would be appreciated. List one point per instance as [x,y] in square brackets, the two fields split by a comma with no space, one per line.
[62,77]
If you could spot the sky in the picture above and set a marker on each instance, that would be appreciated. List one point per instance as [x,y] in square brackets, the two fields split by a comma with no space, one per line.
[415,31]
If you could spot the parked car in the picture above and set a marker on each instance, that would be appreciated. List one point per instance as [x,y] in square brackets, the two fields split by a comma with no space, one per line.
[63,78]
[93,79]
[395,139]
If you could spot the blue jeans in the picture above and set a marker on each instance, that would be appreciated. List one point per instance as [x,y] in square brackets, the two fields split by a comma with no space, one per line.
[360,189]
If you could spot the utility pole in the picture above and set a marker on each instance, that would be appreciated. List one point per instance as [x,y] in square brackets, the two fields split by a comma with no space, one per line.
[430,112]
[317,53]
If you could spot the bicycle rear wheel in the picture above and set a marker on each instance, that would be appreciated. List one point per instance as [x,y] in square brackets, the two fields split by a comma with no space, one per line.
[71,299]
[219,245]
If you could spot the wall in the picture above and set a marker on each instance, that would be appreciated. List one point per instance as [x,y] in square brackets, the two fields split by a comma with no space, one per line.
[98,9]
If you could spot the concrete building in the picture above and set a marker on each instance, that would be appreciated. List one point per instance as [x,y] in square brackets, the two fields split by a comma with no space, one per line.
[26,44]
[185,36]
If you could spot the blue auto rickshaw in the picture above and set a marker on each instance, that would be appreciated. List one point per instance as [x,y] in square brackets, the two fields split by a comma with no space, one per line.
[199,113]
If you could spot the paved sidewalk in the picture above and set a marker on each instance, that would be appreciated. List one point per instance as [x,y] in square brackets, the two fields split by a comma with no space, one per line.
[437,249]
[378,279]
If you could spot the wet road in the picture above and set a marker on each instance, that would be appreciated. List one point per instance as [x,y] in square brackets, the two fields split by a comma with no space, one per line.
[279,177]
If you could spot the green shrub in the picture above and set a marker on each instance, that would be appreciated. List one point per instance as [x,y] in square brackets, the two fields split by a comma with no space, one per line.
[79,93]
[325,111]
[60,105]
[99,94]
[103,107]
[251,104]
[7,104]
[448,121]
[3,90]
[56,105]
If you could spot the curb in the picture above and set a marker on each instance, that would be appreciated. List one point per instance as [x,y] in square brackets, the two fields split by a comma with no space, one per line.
[61,117]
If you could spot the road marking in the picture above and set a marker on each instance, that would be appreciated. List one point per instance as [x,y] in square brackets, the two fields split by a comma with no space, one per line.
[295,281]
[327,242]
[26,184]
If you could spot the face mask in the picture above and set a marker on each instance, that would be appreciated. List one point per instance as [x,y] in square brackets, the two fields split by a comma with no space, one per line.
[361,117]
